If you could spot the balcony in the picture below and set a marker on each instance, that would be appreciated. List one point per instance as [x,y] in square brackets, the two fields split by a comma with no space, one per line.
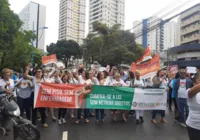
[190,38]
[190,29]
[191,11]
[190,20]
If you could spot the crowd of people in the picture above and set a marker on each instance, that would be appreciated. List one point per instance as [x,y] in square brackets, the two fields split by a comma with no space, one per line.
[183,90]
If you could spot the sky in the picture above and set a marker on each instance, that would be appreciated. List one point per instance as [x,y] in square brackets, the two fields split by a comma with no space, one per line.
[134,10]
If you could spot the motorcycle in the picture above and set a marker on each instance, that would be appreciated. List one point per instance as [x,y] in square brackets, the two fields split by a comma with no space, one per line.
[23,128]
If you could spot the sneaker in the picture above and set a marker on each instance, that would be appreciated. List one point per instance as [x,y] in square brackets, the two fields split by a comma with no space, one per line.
[45,125]
[60,121]
[63,121]
[182,124]
[141,120]
[72,115]
[137,122]
[102,121]
[87,121]
[54,119]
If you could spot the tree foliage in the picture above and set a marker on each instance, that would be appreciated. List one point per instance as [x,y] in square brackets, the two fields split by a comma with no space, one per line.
[64,49]
[15,45]
[111,45]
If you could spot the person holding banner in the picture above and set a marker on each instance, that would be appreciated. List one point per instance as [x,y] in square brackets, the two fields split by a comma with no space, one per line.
[82,77]
[130,83]
[38,78]
[139,83]
[118,82]
[62,111]
[159,81]
[100,112]
[193,120]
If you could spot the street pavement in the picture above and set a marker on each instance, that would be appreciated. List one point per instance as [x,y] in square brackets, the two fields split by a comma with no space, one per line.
[115,130]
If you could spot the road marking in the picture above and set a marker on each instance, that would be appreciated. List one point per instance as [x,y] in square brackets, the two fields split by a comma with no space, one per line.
[65,135]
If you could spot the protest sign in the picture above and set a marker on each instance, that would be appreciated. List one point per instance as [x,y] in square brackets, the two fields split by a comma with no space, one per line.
[191,70]
[148,69]
[147,56]
[49,59]
[101,97]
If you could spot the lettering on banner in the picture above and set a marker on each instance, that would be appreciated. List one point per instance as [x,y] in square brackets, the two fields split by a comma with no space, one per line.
[57,95]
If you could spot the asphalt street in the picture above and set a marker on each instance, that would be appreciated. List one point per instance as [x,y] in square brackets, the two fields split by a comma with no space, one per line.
[114,130]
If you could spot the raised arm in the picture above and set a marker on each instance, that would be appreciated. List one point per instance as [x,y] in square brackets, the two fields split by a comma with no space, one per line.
[193,91]
[26,73]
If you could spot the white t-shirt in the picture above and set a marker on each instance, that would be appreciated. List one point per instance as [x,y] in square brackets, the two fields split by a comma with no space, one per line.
[182,92]
[24,89]
[193,119]
[81,80]
[119,83]
[139,83]
[3,83]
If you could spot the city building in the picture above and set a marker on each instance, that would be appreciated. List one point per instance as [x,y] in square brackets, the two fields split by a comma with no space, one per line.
[72,17]
[185,55]
[190,25]
[169,35]
[137,29]
[33,16]
[109,12]
[178,32]
[159,37]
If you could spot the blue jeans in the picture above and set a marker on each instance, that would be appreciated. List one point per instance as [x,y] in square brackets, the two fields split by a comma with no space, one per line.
[155,112]
[99,114]
[79,113]
[183,107]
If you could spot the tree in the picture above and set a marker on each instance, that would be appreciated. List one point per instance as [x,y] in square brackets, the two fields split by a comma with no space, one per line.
[15,45]
[64,49]
[111,45]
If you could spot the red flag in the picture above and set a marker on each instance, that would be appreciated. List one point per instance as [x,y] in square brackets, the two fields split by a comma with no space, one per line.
[146,56]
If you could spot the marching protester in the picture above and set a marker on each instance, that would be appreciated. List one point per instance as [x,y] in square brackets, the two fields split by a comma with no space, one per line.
[6,83]
[62,111]
[118,82]
[82,77]
[139,83]
[130,83]
[25,87]
[37,79]
[100,112]
[182,84]
[193,120]
[159,81]
[71,80]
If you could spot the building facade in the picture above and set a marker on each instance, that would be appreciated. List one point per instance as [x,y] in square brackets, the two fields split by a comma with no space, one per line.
[190,25]
[33,16]
[159,37]
[169,35]
[72,17]
[109,12]
[137,29]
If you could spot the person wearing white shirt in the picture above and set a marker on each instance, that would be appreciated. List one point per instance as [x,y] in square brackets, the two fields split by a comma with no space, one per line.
[139,83]
[193,120]
[6,83]
[118,82]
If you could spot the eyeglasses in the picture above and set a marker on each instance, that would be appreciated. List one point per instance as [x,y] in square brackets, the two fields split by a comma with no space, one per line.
[182,73]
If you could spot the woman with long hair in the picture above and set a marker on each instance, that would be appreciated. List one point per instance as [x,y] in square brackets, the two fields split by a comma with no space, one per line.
[62,111]
[193,120]
[100,112]
[82,77]
[37,79]
[159,81]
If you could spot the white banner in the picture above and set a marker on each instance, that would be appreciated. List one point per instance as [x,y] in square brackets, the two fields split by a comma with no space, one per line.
[149,99]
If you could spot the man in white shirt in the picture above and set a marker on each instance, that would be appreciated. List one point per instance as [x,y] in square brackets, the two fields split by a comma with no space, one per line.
[181,86]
